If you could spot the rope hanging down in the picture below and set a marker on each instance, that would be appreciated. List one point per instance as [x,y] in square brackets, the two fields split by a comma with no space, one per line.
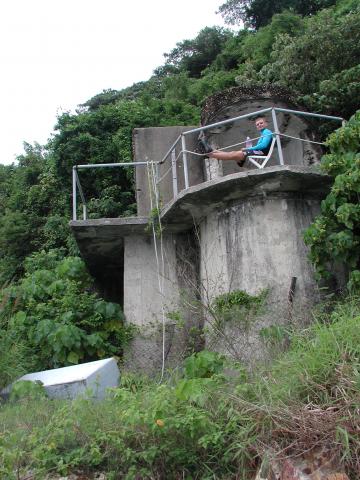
[153,193]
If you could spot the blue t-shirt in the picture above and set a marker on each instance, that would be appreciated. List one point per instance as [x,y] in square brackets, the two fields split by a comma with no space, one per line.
[263,142]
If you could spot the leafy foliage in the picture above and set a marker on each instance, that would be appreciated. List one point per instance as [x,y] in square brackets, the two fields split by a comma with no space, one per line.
[292,42]
[205,424]
[303,62]
[203,364]
[193,56]
[201,423]
[339,95]
[258,13]
[335,234]
[237,298]
[53,312]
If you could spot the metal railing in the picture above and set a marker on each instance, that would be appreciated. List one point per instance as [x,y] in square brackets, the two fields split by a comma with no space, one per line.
[180,143]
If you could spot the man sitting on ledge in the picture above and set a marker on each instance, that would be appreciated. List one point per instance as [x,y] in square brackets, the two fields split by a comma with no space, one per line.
[261,148]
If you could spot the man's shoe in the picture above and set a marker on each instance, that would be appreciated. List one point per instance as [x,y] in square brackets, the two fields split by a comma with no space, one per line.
[206,145]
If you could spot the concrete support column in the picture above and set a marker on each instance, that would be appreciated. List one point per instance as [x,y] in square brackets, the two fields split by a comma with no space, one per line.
[254,244]
[147,306]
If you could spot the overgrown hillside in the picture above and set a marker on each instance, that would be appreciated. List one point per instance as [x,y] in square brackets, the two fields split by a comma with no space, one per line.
[201,423]
[50,314]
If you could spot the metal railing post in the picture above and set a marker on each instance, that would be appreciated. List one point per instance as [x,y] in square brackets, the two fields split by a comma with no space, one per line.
[74,192]
[81,195]
[277,132]
[157,181]
[186,172]
[174,173]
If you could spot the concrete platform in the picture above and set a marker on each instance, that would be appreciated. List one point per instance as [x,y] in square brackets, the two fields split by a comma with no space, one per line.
[101,241]
[200,200]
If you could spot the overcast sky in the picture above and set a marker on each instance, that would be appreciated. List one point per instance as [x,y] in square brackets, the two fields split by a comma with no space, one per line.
[56,54]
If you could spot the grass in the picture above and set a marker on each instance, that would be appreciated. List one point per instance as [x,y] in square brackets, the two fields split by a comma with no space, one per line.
[213,427]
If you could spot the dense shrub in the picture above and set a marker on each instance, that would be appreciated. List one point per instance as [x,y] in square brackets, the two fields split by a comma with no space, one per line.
[55,314]
[202,423]
[335,234]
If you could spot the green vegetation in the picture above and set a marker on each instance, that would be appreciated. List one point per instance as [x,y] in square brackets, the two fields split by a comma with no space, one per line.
[201,423]
[335,234]
[312,48]
[236,308]
[51,318]
[237,299]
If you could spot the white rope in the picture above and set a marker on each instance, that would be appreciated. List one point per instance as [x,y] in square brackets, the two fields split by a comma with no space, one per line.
[164,175]
[153,192]
[301,139]
[252,139]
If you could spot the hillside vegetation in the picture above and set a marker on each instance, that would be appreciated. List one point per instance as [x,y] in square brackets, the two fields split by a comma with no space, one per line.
[199,423]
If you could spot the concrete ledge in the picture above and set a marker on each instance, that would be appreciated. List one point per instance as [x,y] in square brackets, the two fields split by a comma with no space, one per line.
[128,225]
[199,200]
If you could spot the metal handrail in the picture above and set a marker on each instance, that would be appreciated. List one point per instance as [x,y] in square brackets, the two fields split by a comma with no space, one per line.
[229,120]
[76,181]
[183,151]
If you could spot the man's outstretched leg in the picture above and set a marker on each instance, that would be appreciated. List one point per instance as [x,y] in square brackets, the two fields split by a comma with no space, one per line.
[237,155]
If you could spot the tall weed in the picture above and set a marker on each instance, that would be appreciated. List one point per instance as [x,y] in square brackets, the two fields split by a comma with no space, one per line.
[204,424]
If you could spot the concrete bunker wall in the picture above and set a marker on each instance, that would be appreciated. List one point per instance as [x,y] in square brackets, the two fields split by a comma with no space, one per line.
[255,244]
[235,230]
[151,144]
[147,304]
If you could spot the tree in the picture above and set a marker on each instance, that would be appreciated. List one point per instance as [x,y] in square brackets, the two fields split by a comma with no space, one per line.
[328,46]
[193,56]
[29,193]
[258,13]
[55,315]
[339,95]
[335,234]
[257,47]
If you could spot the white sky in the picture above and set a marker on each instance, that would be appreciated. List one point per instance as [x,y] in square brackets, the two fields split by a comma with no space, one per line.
[56,54]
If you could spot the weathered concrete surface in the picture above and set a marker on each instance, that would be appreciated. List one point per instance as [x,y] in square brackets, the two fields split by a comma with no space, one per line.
[238,101]
[92,379]
[157,294]
[253,245]
[251,227]
[151,144]
[200,200]
[101,243]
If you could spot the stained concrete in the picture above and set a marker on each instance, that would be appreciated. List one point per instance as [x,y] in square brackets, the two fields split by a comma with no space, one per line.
[151,144]
[242,231]
[101,243]
[256,244]
[200,200]
[158,291]
[100,240]
[229,230]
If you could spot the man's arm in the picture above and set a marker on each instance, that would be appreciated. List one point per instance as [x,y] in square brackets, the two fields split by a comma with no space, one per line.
[263,142]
